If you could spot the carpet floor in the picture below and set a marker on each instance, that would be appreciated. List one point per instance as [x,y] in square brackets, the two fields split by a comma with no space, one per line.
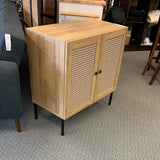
[129,129]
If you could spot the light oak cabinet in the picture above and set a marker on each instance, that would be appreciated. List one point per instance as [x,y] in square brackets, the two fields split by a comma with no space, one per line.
[72,65]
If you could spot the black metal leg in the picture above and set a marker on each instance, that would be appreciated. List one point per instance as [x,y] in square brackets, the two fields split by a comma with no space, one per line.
[110,98]
[35,111]
[62,127]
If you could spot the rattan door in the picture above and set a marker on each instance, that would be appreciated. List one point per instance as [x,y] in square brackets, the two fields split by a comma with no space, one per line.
[109,63]
[82,63]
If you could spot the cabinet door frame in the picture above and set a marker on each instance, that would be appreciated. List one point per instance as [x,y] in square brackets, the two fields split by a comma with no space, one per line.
[105,37]
[70,46]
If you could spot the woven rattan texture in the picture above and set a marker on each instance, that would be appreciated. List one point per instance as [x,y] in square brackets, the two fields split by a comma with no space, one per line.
[112,49]
[81,75]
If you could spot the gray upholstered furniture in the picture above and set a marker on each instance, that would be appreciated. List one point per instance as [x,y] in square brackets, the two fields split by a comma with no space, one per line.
[10,95]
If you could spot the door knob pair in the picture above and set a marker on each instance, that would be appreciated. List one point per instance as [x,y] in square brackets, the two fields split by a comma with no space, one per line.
[99,72]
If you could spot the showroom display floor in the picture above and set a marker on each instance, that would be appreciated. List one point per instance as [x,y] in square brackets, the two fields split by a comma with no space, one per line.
[129,129]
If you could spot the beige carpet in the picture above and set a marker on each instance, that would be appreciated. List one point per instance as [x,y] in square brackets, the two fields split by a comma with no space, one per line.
[129,129]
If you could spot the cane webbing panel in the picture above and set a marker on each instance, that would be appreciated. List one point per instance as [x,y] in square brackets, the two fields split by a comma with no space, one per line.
[112,50]
[83,60]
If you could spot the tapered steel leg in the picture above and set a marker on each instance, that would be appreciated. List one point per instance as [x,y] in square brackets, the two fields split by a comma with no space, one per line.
[62,127]
[35,112]
[110,98]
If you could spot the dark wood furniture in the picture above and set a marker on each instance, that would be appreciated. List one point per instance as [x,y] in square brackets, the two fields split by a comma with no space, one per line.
[156,69]
[138,23]
[39,12]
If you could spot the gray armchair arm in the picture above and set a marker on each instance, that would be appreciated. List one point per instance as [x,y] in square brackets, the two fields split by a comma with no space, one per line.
[10,96]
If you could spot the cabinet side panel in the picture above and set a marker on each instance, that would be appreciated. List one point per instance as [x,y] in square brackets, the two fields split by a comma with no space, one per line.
[111,57]
[47,69]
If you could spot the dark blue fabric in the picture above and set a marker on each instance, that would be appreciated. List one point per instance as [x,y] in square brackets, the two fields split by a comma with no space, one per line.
[10,24]
[10,96]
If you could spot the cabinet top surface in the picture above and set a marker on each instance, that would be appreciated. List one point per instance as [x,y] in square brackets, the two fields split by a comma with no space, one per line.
[103,3]
[75,30]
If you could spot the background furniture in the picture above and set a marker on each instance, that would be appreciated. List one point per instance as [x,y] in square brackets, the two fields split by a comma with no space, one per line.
[38,12]
[10,96]
[71,10]
[156,69]
[72,65]
[32,12]
[136,13]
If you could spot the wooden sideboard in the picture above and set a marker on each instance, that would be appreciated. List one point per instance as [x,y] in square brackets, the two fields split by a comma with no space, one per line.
[72,65]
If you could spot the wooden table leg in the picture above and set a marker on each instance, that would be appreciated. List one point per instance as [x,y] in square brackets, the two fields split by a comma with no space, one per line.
[17,123]
[152,52]
[155,74]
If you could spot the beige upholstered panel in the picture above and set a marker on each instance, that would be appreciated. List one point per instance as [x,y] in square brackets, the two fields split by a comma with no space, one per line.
[112,50]
[81,74]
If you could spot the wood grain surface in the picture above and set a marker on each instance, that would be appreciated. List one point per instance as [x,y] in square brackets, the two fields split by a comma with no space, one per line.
[79,14]
[103,3]
[71,31]
[46,57]
[63,59]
